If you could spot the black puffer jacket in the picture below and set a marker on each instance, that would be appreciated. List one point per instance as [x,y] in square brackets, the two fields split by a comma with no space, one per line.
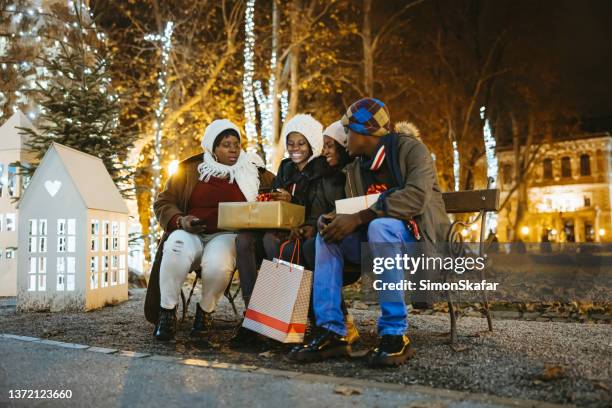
[317,186]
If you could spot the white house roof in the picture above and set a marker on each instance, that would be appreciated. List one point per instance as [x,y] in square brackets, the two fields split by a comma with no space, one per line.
[90,178]
[12,138]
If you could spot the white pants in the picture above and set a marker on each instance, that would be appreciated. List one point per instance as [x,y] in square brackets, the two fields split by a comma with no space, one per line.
[185,252]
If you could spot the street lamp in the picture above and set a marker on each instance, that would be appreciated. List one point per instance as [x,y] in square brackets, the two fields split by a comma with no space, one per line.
[525,230]
[602,232]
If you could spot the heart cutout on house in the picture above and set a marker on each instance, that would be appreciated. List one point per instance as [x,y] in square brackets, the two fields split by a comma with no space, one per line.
[53,187]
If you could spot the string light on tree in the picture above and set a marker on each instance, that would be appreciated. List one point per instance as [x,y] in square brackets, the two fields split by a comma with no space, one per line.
[247,81]
[492,163]
[162,86]
[284,98]
[456,165]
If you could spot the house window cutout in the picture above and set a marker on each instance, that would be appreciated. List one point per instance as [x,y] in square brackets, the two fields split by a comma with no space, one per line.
[94,244]
[95,227]
[114,266]
[61,226]
[42,227]
[42,247]
[61,244]
[10,223]
[71,270]
[37,243]
[42,273]
[61,274]
[12,181]
[32,275]
[93,269]
[104,274]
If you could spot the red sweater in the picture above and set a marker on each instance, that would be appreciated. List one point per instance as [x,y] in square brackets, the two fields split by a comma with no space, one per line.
[205,199]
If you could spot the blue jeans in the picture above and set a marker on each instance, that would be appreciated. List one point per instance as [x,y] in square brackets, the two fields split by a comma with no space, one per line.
[329,263]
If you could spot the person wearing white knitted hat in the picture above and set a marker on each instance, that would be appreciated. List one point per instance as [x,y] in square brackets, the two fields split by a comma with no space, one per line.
[334,145]
[300,180]
[187,210]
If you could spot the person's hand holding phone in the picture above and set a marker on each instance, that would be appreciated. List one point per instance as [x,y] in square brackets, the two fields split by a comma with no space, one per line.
[281,195]
[192,224]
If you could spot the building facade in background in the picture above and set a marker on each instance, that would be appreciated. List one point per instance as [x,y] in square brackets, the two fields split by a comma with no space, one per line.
[568,192]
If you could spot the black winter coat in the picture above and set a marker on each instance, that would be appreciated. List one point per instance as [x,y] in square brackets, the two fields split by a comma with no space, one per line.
[317,186]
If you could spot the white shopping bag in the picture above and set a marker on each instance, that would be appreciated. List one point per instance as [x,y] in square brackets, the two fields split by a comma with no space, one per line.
[279,303]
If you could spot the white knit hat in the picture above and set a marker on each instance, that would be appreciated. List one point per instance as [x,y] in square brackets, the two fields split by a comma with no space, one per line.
[336,132]
[214,129]
[309,127]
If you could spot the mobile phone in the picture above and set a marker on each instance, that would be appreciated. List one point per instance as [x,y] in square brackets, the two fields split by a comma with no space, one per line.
[195,223]
[268,190]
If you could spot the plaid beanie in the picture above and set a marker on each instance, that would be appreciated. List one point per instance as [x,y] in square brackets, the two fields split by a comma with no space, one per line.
[368,116]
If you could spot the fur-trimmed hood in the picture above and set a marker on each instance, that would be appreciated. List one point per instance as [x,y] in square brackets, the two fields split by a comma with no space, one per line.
[408,129]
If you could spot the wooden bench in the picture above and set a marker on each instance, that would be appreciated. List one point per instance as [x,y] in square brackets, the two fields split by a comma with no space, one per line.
[456,202]
[465,202]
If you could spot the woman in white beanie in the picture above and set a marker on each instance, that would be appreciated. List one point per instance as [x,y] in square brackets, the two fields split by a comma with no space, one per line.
[301,179]
[187,210]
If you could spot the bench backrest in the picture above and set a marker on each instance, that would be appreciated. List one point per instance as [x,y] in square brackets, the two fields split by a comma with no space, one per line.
[471,201]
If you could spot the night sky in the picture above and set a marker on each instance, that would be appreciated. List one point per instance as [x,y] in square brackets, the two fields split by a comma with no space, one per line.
[581,35]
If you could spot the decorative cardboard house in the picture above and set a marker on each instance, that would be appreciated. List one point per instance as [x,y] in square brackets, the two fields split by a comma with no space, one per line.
[12,149]
[72,235]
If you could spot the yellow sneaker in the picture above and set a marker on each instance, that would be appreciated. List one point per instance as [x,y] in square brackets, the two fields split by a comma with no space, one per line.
[352,334]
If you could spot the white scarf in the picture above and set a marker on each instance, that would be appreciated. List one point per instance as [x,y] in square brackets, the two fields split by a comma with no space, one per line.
[243,171]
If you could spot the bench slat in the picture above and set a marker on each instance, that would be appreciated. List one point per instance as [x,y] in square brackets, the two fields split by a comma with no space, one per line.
[471,200]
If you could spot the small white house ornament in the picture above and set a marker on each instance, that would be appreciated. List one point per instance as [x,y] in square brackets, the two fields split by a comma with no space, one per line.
[53,187]
[72,249]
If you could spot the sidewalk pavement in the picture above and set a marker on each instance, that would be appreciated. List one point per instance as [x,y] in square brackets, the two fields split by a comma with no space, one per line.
[103,377]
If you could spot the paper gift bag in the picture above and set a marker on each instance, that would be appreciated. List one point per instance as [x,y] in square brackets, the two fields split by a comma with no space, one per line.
[260,215]
[278,308]
[355,204]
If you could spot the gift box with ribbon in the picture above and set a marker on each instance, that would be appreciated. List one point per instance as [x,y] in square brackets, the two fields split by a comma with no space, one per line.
[260,215]
[356,204]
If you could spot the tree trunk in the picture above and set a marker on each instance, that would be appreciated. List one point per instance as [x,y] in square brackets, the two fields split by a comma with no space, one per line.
[368,51]
[294,60]
[521,196]
[276,90]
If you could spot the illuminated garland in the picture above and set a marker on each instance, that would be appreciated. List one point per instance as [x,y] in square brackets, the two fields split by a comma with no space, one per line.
[456,165]
[492,163]
[162,86]
[247,81]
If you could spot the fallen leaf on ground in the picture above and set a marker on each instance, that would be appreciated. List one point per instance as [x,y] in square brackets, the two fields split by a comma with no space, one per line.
[552,373]
[601,386]
[346,390]
[266,354]
[459,349]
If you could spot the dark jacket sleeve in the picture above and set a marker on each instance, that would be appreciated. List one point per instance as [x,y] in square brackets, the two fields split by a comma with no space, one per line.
[329,189]
[279,179]
[266,179]
[167,204]
[411,200]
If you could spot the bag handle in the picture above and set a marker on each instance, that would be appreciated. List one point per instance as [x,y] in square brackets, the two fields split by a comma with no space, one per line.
[296,247]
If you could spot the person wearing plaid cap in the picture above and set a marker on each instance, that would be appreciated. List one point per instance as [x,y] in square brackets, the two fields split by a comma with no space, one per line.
[410,209]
